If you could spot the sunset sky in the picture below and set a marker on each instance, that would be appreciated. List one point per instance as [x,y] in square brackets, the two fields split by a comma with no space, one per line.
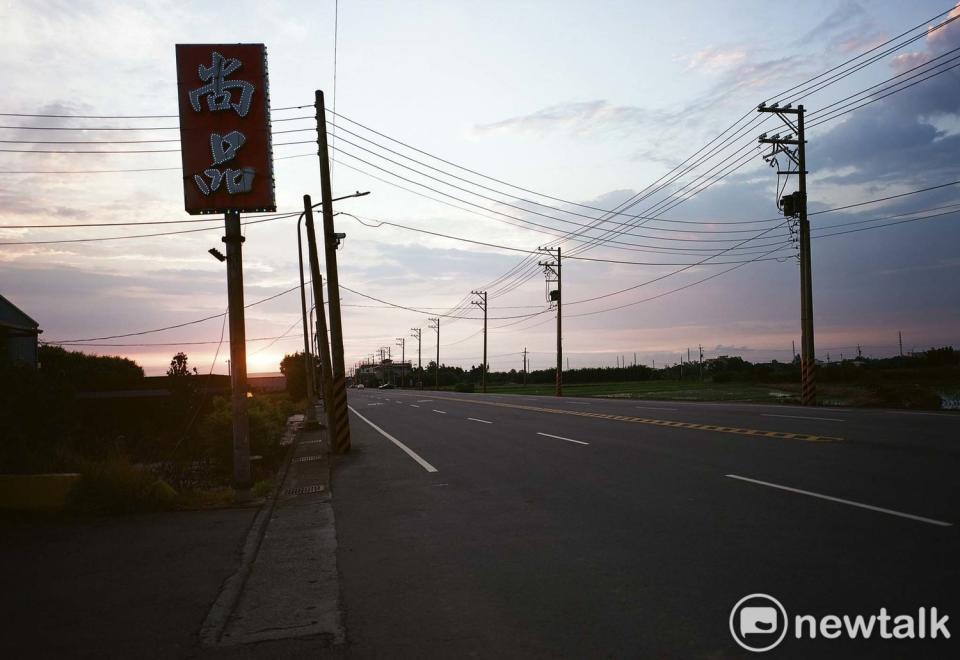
[572,103]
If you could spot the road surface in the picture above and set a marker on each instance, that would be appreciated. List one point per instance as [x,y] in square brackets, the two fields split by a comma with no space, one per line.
[519,526]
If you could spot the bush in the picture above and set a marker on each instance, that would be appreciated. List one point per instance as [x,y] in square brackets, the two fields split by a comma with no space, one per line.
[463,387]
[267,416]
[117,487]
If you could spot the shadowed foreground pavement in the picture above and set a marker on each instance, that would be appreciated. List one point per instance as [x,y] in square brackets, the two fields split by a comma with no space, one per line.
[123,587]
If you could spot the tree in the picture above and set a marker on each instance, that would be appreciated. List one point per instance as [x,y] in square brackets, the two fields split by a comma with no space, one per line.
[179,366]
[293,367]
[89,372]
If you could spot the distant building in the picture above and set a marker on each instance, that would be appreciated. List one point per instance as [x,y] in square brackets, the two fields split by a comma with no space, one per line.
[387,371]
[263,383]
[18,335]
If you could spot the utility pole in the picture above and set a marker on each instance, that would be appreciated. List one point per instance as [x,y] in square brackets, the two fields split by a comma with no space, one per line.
[482,304]
[551,269]
[794,205]
[434,323]
[402,343]
[326,385]
[701,362]
[418,333]
[681,366]
[331,240]
[238,355]
[310,418]
[634,358]
[524,366]
[900,336]
[794,345]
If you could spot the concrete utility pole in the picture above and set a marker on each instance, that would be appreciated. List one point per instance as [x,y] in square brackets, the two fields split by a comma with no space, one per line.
[524,366]
[310,419]
[794,205]
[238,355]
[326,386]
[701,362]
[402,343]
[435,325]
[331,240]
[551,269]
[482,304]
[418,333]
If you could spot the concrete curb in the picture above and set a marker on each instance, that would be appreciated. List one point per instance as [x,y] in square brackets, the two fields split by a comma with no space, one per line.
[216,622]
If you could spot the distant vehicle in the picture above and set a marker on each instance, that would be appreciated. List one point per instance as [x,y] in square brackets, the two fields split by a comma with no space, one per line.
[360,386]
[387,386]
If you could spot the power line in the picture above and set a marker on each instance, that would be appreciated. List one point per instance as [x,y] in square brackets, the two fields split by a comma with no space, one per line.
[97,239]
[65,116]
[173,327]
[284,214]
[124,151]
[503,247]
[126,170]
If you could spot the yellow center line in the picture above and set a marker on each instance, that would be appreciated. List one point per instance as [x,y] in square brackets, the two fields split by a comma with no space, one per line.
[806,437]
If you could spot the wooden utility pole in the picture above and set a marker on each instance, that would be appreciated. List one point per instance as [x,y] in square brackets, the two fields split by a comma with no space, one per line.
[310,418]
[238,355]
[795,205]
[331,240]
[524,366]
[435,325]
[552,271]
[418,333]
[482,304]
[402,343]
[326,381]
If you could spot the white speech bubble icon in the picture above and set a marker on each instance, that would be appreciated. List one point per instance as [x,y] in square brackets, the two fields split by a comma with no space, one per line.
[758,622]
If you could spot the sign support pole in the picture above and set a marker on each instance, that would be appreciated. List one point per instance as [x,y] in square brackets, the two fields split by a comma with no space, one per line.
[238,356]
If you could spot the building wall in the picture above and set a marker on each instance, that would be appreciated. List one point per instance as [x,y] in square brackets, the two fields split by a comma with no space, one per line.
[19,346]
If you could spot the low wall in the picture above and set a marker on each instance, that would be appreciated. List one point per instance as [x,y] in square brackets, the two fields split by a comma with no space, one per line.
[36,492]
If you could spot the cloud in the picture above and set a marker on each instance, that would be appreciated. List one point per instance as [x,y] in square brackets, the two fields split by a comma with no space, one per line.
[848,28]
[576,117]
[715,60]
[896,139]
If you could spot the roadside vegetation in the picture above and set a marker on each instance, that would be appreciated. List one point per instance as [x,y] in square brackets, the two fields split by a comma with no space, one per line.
[929,380]
[140,444]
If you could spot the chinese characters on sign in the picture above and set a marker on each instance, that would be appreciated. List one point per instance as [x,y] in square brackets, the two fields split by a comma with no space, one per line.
[225,128]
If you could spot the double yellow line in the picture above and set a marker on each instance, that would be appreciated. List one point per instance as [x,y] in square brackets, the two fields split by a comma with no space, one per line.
[806,437]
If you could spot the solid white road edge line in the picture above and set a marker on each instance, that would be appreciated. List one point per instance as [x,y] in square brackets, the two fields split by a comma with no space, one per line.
[412,454]
[560,437]
[482,421]
[822,419]
[843,501]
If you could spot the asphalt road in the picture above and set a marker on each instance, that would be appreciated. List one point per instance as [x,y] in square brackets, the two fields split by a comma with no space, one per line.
[136,586]
[514,526]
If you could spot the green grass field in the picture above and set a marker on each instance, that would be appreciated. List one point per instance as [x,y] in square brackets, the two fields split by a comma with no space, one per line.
[829,394]
[664,390]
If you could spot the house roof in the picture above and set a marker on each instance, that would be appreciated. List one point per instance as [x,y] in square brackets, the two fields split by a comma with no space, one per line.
[12,316]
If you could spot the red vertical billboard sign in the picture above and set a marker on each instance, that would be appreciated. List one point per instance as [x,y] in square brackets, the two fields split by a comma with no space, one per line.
[225,139]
